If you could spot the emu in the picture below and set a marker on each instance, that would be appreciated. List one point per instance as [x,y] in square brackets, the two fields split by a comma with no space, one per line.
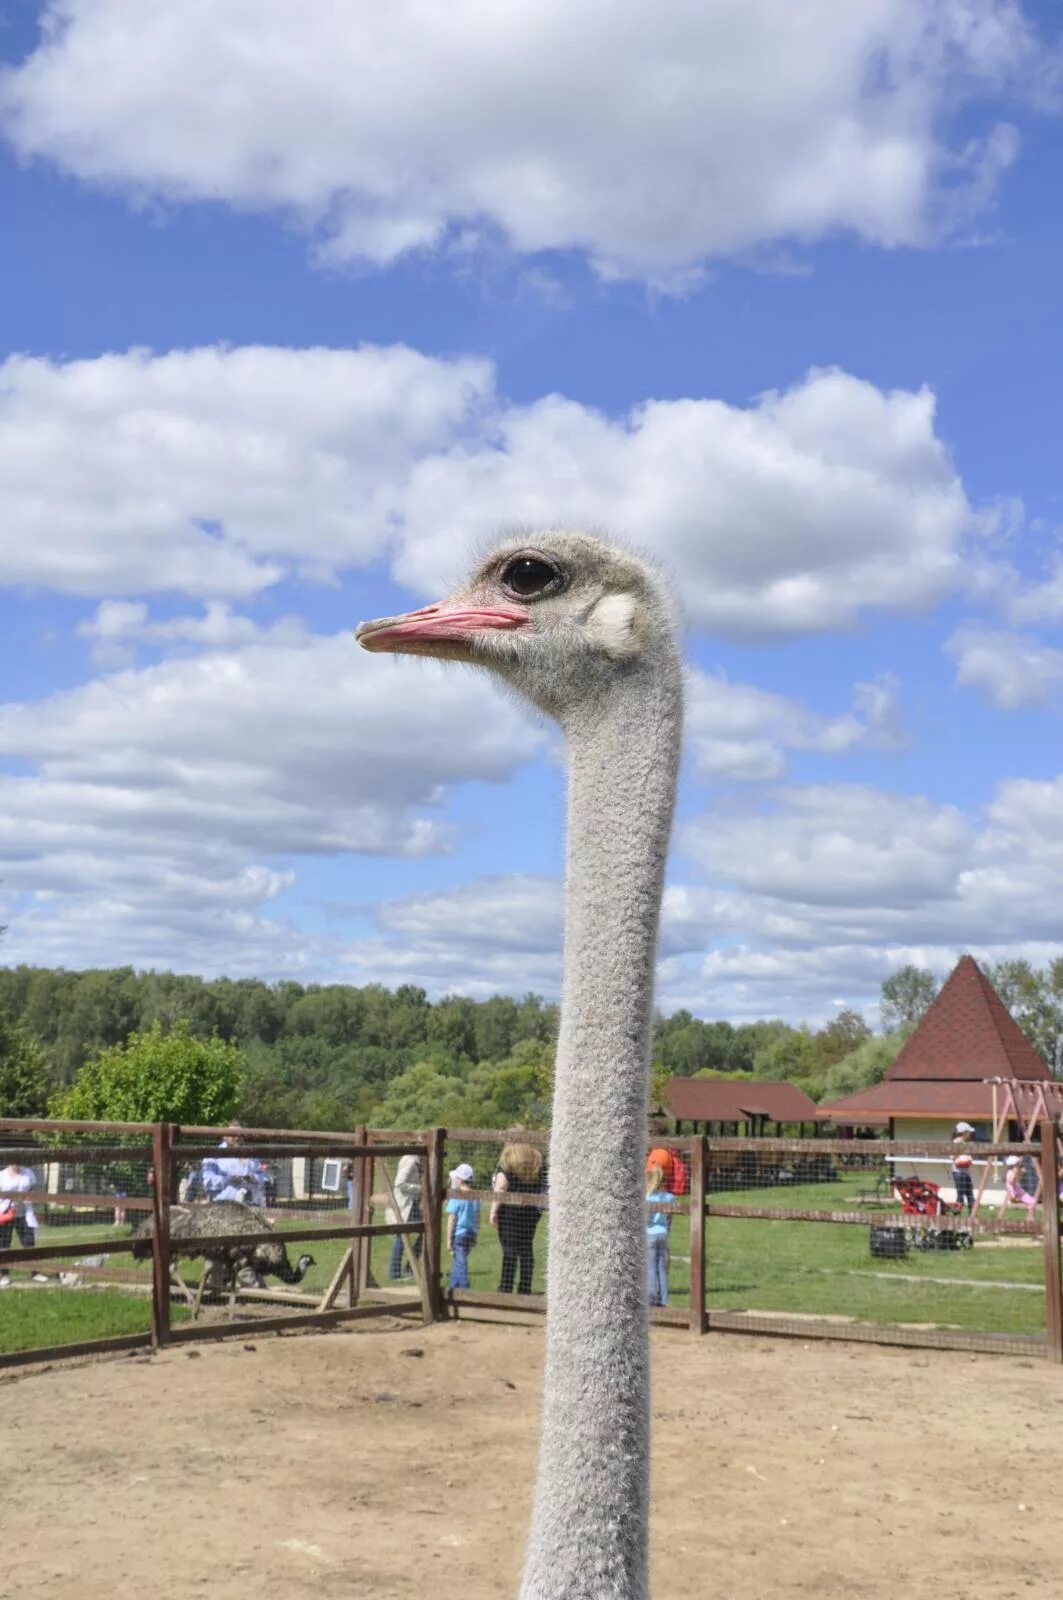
[246,1265]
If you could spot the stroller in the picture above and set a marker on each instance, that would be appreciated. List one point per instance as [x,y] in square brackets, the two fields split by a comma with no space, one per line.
[922,1199]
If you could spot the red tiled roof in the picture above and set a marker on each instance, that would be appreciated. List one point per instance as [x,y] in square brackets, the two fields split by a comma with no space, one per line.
[728,1100]
[967,1035]
[947,1098]
[909,1098]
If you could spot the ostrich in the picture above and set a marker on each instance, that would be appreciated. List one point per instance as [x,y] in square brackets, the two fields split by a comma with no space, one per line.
[584,631]
[193,1227]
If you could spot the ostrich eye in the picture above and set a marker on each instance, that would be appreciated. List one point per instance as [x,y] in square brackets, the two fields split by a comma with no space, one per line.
[529,576]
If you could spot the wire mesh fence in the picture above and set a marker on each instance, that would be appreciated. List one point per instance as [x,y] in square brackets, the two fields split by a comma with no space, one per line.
[116,1235]
[857,1241]
[835,1238]
[70,1199]
[496,1233]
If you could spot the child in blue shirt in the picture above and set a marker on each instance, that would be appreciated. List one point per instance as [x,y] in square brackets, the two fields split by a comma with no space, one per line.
[463,1225]
[658,1224]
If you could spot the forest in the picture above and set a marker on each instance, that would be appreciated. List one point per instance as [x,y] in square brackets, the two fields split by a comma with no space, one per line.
[333,1056]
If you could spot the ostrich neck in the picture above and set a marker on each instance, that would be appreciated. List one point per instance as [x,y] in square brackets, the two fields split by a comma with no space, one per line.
[589,1532]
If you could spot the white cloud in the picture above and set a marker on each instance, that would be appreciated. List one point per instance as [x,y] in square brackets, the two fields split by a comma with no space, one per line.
[846,846]
[1010,669]
[737,731]
[789,516]
[170,799]
[837,865]
[650,144]
[497,933]
[792,922]
[1041,601]
[118,626]
[492,934]
[212,471]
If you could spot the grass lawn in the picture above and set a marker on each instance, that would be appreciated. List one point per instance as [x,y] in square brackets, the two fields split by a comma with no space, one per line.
[752,1265]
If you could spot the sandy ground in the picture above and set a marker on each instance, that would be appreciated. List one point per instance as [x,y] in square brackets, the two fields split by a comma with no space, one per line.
[396,1461]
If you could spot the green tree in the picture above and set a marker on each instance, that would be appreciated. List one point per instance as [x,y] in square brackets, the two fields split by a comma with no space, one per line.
[428,1094]
[23,1073]
[156,1076]
[787,1055]
[906,996]
[864,1066]
[517,1090]
[834,1042]
[452,1026]
[1035,1000]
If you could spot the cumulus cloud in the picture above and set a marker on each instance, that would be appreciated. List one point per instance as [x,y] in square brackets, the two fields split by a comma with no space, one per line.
[214,471]
[492,934]
[849,864]
[118,626]
[845,845]
[648,144]
[813,899]
[211,472]
[181,792]
[738,731]
[1039,601]
[1010,669]
[503,932]
[788,516]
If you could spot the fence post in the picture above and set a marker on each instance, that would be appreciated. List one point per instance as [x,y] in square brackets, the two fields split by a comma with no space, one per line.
[162,1166]
[364,1169]
[698,1322]
[1053,1278]
[358,1246]
[434,1192]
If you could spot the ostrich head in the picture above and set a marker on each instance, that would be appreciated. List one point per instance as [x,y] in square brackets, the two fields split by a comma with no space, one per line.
[560,616]
[302,1266]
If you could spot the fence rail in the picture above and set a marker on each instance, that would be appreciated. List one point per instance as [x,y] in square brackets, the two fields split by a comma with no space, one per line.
[141,1170]
[752,1248]
[926,1289]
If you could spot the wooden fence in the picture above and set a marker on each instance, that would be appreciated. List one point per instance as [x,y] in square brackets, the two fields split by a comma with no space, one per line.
[163,1148]
[707,1198]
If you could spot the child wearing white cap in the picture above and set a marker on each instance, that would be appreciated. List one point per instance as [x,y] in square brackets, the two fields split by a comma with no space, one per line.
[961,1165]
[463,1224]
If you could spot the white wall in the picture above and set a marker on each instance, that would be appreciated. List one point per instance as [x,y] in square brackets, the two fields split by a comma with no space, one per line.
[938,1169]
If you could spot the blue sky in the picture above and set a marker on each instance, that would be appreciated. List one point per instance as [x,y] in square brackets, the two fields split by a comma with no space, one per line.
[292,316]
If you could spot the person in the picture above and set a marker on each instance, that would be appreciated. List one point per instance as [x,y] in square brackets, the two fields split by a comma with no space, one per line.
[961,1165]
[520,1171]
[234,1177]
[463,1224]
[1015,1191]
[409,1177]
[658,1226]
[21,1219]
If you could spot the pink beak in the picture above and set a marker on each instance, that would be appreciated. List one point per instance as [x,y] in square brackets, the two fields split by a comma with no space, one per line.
[438,624]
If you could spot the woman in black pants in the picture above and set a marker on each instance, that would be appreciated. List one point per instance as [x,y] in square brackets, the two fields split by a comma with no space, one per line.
[520,1171]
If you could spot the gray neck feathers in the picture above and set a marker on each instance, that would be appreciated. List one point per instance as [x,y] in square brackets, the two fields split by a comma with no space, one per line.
[589,1530]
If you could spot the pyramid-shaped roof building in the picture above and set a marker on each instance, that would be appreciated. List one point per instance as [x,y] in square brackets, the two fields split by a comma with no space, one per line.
[967,1038]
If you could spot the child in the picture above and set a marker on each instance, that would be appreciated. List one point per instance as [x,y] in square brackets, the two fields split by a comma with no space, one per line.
[657,1225]
[1014,1190]
[463,1225]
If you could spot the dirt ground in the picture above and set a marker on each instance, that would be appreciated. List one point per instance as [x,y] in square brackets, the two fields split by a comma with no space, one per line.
[397,1461]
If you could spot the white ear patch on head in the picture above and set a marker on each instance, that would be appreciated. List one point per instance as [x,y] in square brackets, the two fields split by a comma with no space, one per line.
[612,626]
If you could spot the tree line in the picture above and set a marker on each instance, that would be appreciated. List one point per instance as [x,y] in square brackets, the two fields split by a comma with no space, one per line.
[117,1044]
